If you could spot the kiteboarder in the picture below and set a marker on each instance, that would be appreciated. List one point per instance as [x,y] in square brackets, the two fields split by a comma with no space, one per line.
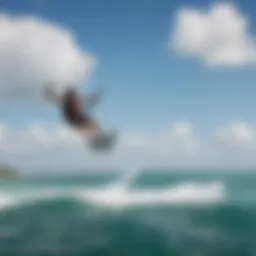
[72,105]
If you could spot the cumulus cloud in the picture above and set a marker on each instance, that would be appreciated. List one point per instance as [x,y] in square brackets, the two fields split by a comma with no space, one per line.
[38,137]
[2,131]
[239,136]
[178,139]
[184,138]
[177,145]
[219,36]
[34,51]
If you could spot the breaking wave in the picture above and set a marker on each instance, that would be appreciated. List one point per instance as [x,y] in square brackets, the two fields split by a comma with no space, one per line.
[118,196]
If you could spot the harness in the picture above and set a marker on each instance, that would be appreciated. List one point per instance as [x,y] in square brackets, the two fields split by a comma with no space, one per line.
[71,106]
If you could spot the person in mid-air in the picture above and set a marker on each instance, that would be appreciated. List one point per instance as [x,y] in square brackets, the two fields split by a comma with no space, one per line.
[72,106]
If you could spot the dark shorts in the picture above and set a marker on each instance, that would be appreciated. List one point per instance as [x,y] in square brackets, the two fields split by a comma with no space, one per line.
[79,119]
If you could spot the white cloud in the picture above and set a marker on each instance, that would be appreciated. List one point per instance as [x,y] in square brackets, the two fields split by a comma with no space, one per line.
[240,136]
[178,140]
[183,136]
[34,51]
[219,36]
[2,131]
[38,137]
[177,146]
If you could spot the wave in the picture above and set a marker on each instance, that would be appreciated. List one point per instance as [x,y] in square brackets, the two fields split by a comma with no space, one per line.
[115,196]
[120,194]
[187,193]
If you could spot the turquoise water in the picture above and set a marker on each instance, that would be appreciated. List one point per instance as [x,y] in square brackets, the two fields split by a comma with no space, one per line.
[155,214]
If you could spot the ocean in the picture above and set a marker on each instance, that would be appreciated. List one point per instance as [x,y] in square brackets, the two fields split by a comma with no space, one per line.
[131,213]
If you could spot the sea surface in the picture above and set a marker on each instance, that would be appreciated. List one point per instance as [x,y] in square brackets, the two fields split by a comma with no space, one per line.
[133,213]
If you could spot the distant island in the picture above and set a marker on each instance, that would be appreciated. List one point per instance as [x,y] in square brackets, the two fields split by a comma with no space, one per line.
[8,172]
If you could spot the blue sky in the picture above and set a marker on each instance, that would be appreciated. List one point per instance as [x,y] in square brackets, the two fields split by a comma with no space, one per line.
[131,40]
[148,85]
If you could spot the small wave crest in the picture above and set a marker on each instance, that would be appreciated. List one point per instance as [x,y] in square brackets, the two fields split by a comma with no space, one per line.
[186,193]
[114,196]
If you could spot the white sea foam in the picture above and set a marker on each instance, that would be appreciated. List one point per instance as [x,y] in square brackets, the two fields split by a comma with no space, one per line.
[186,193]
[118,196]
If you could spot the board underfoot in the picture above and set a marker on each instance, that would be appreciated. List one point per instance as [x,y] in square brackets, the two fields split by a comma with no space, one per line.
[104,142]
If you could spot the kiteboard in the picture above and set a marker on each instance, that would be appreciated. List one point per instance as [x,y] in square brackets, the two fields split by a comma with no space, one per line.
[104,142]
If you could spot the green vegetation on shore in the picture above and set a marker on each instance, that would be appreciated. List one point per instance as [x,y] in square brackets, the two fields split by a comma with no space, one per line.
[8,172]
